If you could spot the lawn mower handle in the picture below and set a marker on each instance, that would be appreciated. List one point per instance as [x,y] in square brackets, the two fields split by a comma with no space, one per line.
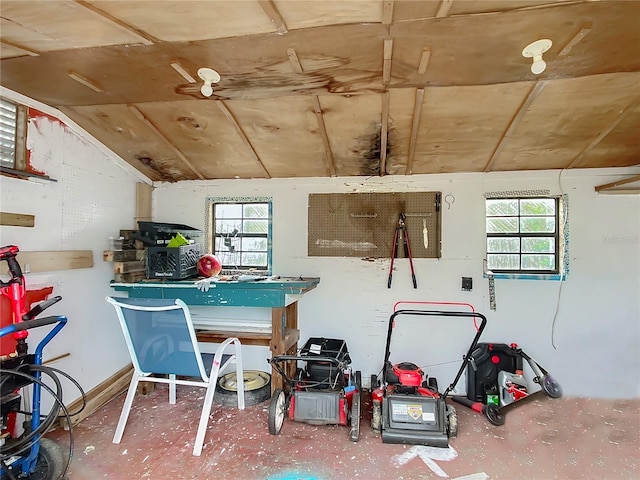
[277,361]
[436,313]
[29,324]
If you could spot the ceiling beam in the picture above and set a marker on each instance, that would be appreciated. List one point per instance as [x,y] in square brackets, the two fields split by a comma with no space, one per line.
[86,82]
[387,12]
[141,116]
[584,31]
[386,60]
[384,133]
[323,132]
[227,113]
[143,36]
[515,121]
[27,51]
[630,108]
[424,60]
[620,191]
[295,61]
[177,66]
[415,123]
[443,10]
[274,15]
[608,187]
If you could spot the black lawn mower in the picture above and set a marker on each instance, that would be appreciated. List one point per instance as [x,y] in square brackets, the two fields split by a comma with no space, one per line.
[323,391]
[407,406]
[496,382]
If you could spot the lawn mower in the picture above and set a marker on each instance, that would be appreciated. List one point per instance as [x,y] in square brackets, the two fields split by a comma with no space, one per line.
[24,453]
[496,382]
[325,391]
[407,406]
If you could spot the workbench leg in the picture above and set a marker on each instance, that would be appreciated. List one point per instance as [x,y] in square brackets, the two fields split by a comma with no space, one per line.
[283,320]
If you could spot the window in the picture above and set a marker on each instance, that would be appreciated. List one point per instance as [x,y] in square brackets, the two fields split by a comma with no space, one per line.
[240,234]
[523,235]
[13,131]
[8,129]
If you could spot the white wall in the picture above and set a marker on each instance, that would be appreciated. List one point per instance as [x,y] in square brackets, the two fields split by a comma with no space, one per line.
[93,198]
[591,346]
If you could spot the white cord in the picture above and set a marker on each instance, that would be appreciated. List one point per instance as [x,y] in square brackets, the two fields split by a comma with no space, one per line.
[565,219]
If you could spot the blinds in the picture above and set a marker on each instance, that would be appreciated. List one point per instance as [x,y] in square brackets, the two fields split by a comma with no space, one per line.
[8,115]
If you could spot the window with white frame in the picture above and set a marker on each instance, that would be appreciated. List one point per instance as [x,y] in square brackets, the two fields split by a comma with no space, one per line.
[13,127]
[524,235]
[8,130]
[240,234]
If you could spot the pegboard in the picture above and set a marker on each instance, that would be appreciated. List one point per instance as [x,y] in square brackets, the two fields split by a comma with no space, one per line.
[363,224]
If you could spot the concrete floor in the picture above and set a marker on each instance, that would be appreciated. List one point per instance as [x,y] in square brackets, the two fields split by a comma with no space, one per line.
[566,438]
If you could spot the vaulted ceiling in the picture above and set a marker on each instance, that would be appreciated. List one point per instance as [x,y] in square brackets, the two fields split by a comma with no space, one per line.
[325,88]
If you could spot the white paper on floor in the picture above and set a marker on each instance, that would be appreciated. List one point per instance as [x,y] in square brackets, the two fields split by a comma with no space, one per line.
[428,455]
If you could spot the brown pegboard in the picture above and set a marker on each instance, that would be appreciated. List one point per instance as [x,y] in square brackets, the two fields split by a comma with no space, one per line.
[363,224]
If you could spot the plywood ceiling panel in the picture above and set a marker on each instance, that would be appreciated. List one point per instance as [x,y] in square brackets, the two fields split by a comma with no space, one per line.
[118,127]
[566,116]
[460,127]
[464,7]
[338,59]
[622,144]
[307,14]
[179,21]
[472,56]
[284,133]
[415,9]
[200,131]
[353,125]
[56,25]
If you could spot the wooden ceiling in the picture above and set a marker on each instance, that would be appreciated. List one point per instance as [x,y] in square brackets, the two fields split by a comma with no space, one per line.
[325,88]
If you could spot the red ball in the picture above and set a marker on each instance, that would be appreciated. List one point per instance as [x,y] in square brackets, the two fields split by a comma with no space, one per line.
[209,266]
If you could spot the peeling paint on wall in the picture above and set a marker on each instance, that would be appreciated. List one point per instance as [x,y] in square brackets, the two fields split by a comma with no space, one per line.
[37,120]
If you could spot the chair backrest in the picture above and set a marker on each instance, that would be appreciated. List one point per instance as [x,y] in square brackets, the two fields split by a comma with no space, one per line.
[160,336]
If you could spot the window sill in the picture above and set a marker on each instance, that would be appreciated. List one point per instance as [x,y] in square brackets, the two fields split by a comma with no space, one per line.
[529,276]
[10,172]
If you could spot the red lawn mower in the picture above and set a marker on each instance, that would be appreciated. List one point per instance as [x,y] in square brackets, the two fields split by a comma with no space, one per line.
[325,391]
[407,406]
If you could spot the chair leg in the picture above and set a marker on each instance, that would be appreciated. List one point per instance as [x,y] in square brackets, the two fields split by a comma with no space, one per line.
[240,378]
[126,408]
[204,416]
[172,390]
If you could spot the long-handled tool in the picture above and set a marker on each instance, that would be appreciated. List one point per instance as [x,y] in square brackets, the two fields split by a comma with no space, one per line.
[401,229]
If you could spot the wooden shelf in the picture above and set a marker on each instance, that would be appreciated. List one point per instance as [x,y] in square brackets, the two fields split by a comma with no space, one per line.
[246,338]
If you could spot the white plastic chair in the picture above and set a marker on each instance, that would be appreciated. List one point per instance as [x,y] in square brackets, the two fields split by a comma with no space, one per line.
[162,341]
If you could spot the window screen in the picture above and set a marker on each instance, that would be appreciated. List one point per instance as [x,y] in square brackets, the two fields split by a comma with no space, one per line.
[8,120]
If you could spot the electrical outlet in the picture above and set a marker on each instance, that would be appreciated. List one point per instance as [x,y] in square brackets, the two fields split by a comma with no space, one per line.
[467,284]
[26,268]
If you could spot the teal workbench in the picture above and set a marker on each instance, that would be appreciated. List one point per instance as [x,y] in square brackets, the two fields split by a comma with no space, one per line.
[281,295]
